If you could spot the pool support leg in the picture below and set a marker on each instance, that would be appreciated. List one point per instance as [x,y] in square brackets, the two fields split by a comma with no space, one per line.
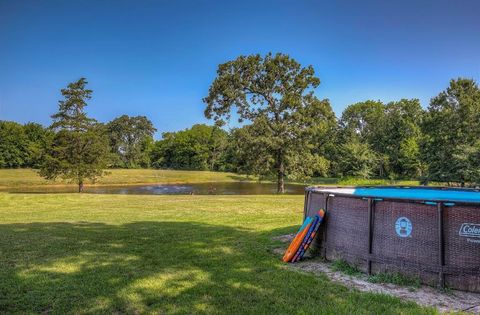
[370,235]
[324,232]
[441,246]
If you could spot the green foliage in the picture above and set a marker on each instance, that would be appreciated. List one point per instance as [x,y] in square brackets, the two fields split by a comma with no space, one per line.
[401,137]
[76,156]
[13,145]
[357,159]
[38,139]
[250,153]
[465,164]
[275,94]
[409,158]
[22,146]
[79,148]
[71,115]
[451,133]
[201,147]
[363,121]
[392,133]
[131,140]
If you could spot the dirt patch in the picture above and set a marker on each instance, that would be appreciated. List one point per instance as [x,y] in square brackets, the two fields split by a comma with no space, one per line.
[284,238]
[452,300]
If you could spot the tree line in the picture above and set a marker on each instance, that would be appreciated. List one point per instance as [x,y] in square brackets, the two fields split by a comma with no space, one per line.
[285,131]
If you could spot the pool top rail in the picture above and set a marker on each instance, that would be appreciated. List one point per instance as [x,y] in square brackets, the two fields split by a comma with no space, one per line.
[418,194]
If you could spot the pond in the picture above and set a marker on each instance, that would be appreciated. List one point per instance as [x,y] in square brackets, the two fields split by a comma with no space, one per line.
[235,188]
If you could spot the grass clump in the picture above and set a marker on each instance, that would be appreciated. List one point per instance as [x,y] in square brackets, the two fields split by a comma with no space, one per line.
[395,278]
[343,266]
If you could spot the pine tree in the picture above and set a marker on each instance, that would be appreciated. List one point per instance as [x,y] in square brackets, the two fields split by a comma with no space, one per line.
[79,149]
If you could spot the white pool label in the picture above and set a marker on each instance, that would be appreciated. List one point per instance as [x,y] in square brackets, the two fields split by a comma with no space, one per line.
[471,231]
[403,227]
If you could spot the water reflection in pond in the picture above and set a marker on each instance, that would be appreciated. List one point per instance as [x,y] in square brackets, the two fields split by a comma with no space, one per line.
[236,188]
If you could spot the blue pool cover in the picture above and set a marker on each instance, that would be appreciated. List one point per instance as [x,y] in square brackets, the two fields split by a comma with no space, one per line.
[423,194]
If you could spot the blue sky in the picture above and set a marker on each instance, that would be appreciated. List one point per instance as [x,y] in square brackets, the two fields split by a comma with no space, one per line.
[157,58]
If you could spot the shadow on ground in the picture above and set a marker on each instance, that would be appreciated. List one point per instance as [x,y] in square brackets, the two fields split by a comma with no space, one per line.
[162,267]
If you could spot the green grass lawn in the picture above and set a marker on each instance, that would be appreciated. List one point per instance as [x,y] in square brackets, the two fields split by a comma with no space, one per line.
[29,178]
[353,181]
[128,254]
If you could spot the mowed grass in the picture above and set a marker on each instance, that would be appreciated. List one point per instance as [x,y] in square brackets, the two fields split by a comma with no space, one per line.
[128,254]
[15,178]
[354,181]
[30,178]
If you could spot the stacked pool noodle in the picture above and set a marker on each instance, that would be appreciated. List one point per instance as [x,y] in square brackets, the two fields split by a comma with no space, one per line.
[304,238]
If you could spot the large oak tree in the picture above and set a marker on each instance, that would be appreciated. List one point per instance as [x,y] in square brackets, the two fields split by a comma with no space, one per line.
[275,94]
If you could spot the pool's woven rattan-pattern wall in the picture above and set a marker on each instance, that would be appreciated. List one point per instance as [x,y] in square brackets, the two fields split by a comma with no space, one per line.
[435,251]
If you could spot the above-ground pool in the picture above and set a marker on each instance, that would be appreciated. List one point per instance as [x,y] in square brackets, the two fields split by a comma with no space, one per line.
[429,233]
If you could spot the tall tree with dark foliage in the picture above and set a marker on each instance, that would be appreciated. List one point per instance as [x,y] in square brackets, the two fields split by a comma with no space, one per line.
[79,149]
[452,128]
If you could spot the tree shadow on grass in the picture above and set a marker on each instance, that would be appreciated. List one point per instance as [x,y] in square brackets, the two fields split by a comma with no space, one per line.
[161,267]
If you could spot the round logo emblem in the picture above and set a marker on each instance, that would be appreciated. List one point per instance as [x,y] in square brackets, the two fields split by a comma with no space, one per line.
[403,226]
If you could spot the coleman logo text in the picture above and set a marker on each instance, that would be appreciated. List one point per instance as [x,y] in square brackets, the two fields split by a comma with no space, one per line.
[470,230]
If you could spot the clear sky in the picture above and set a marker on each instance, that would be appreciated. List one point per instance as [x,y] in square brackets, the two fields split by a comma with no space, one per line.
[157,58]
